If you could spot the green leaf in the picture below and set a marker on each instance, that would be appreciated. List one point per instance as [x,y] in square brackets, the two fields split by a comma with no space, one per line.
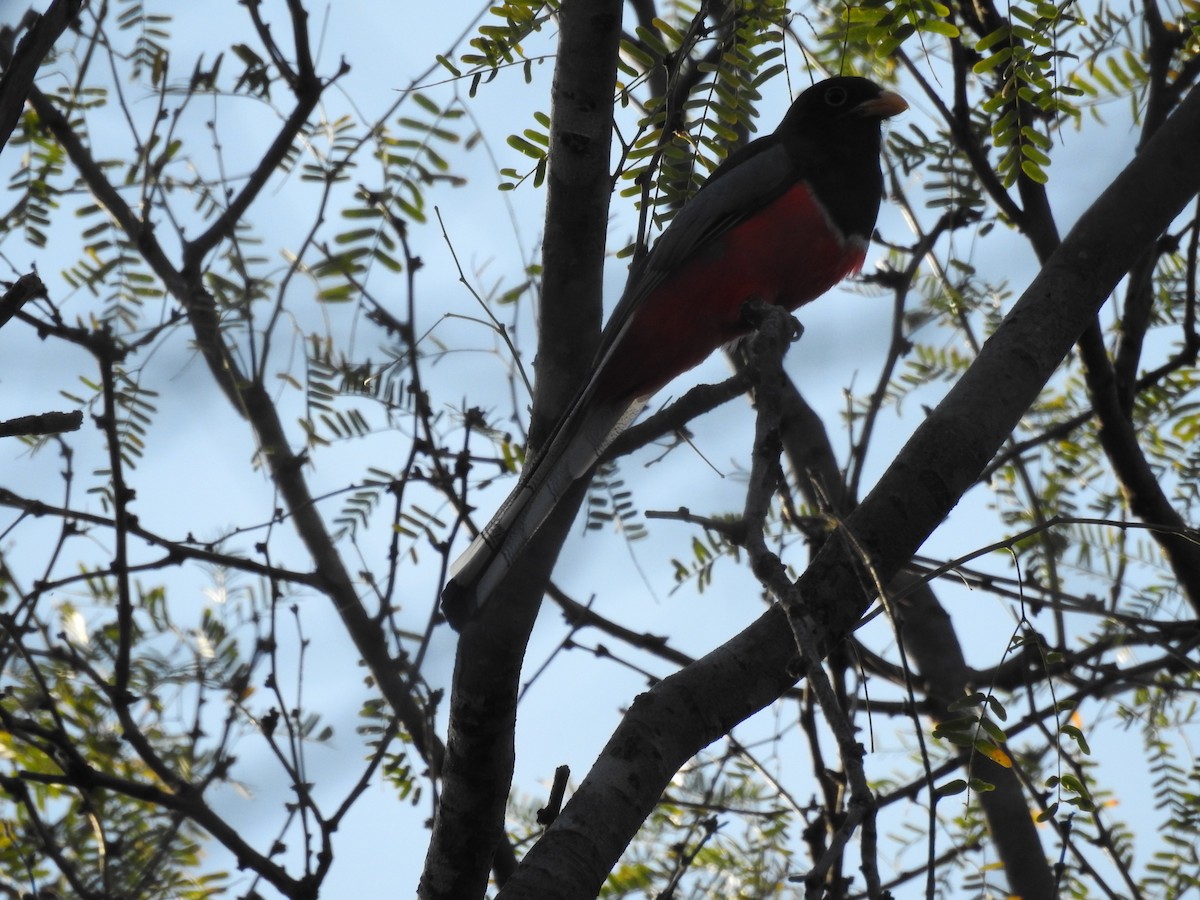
[640,56]
[950,788]
[1035,155]
[997,59]
[938,26]
[354,237]
[1035,137]
[956,725]
[1034,172]
[889,45]
[449,66]
[669,30]
[520,144]
[997,708]
[987,42]
[968,702]
[994,731]
[1076,735]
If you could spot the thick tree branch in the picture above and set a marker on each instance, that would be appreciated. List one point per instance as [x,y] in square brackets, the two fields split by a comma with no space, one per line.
[932,644]
[20,71]
[41,423]
[1138,482]
[1110,385]
[667,725]
[1136,319]
[18,294]
[480,751]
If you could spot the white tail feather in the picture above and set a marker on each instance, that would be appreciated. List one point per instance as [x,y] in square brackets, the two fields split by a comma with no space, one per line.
[572,453]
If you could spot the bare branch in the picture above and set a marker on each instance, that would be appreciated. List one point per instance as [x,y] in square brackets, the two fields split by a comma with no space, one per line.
[18,294]
[41,423]
[480,751]
[21,68]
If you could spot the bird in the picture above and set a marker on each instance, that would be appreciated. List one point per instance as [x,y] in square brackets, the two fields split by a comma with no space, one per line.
[781,220]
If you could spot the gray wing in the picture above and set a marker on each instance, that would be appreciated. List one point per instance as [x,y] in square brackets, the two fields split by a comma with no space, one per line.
[740,186]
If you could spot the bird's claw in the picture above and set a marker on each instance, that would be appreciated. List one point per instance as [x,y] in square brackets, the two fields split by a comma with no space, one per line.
[757,313]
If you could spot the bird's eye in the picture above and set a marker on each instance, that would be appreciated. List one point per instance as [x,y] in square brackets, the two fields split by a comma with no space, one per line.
[835,96]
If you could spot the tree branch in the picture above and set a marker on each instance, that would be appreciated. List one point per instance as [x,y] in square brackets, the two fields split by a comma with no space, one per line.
[480,751]
[18,294]
[42,423]
[932,644]
[32,49]
[697,401]
[307,88]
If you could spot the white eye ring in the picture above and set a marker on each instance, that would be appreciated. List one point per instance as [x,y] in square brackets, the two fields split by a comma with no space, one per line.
[835,96]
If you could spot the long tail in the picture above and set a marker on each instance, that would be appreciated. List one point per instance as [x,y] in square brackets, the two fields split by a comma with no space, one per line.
[571,454]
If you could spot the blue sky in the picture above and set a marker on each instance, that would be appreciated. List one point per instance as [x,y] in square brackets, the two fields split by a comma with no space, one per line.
[566,716]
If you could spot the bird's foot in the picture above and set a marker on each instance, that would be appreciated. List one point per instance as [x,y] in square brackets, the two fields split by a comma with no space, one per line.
[759,314]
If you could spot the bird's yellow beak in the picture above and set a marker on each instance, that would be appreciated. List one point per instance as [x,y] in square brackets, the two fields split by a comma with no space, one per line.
[886,105]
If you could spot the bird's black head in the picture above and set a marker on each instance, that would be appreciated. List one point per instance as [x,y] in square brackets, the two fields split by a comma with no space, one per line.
[841,102]
[832,135]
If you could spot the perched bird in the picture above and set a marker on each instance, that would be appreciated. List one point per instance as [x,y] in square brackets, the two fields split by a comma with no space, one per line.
[782,220]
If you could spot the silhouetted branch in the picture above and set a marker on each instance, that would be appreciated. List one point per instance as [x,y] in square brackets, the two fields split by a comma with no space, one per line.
[42,423]
[21,67]
[480,748]
[18,294]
